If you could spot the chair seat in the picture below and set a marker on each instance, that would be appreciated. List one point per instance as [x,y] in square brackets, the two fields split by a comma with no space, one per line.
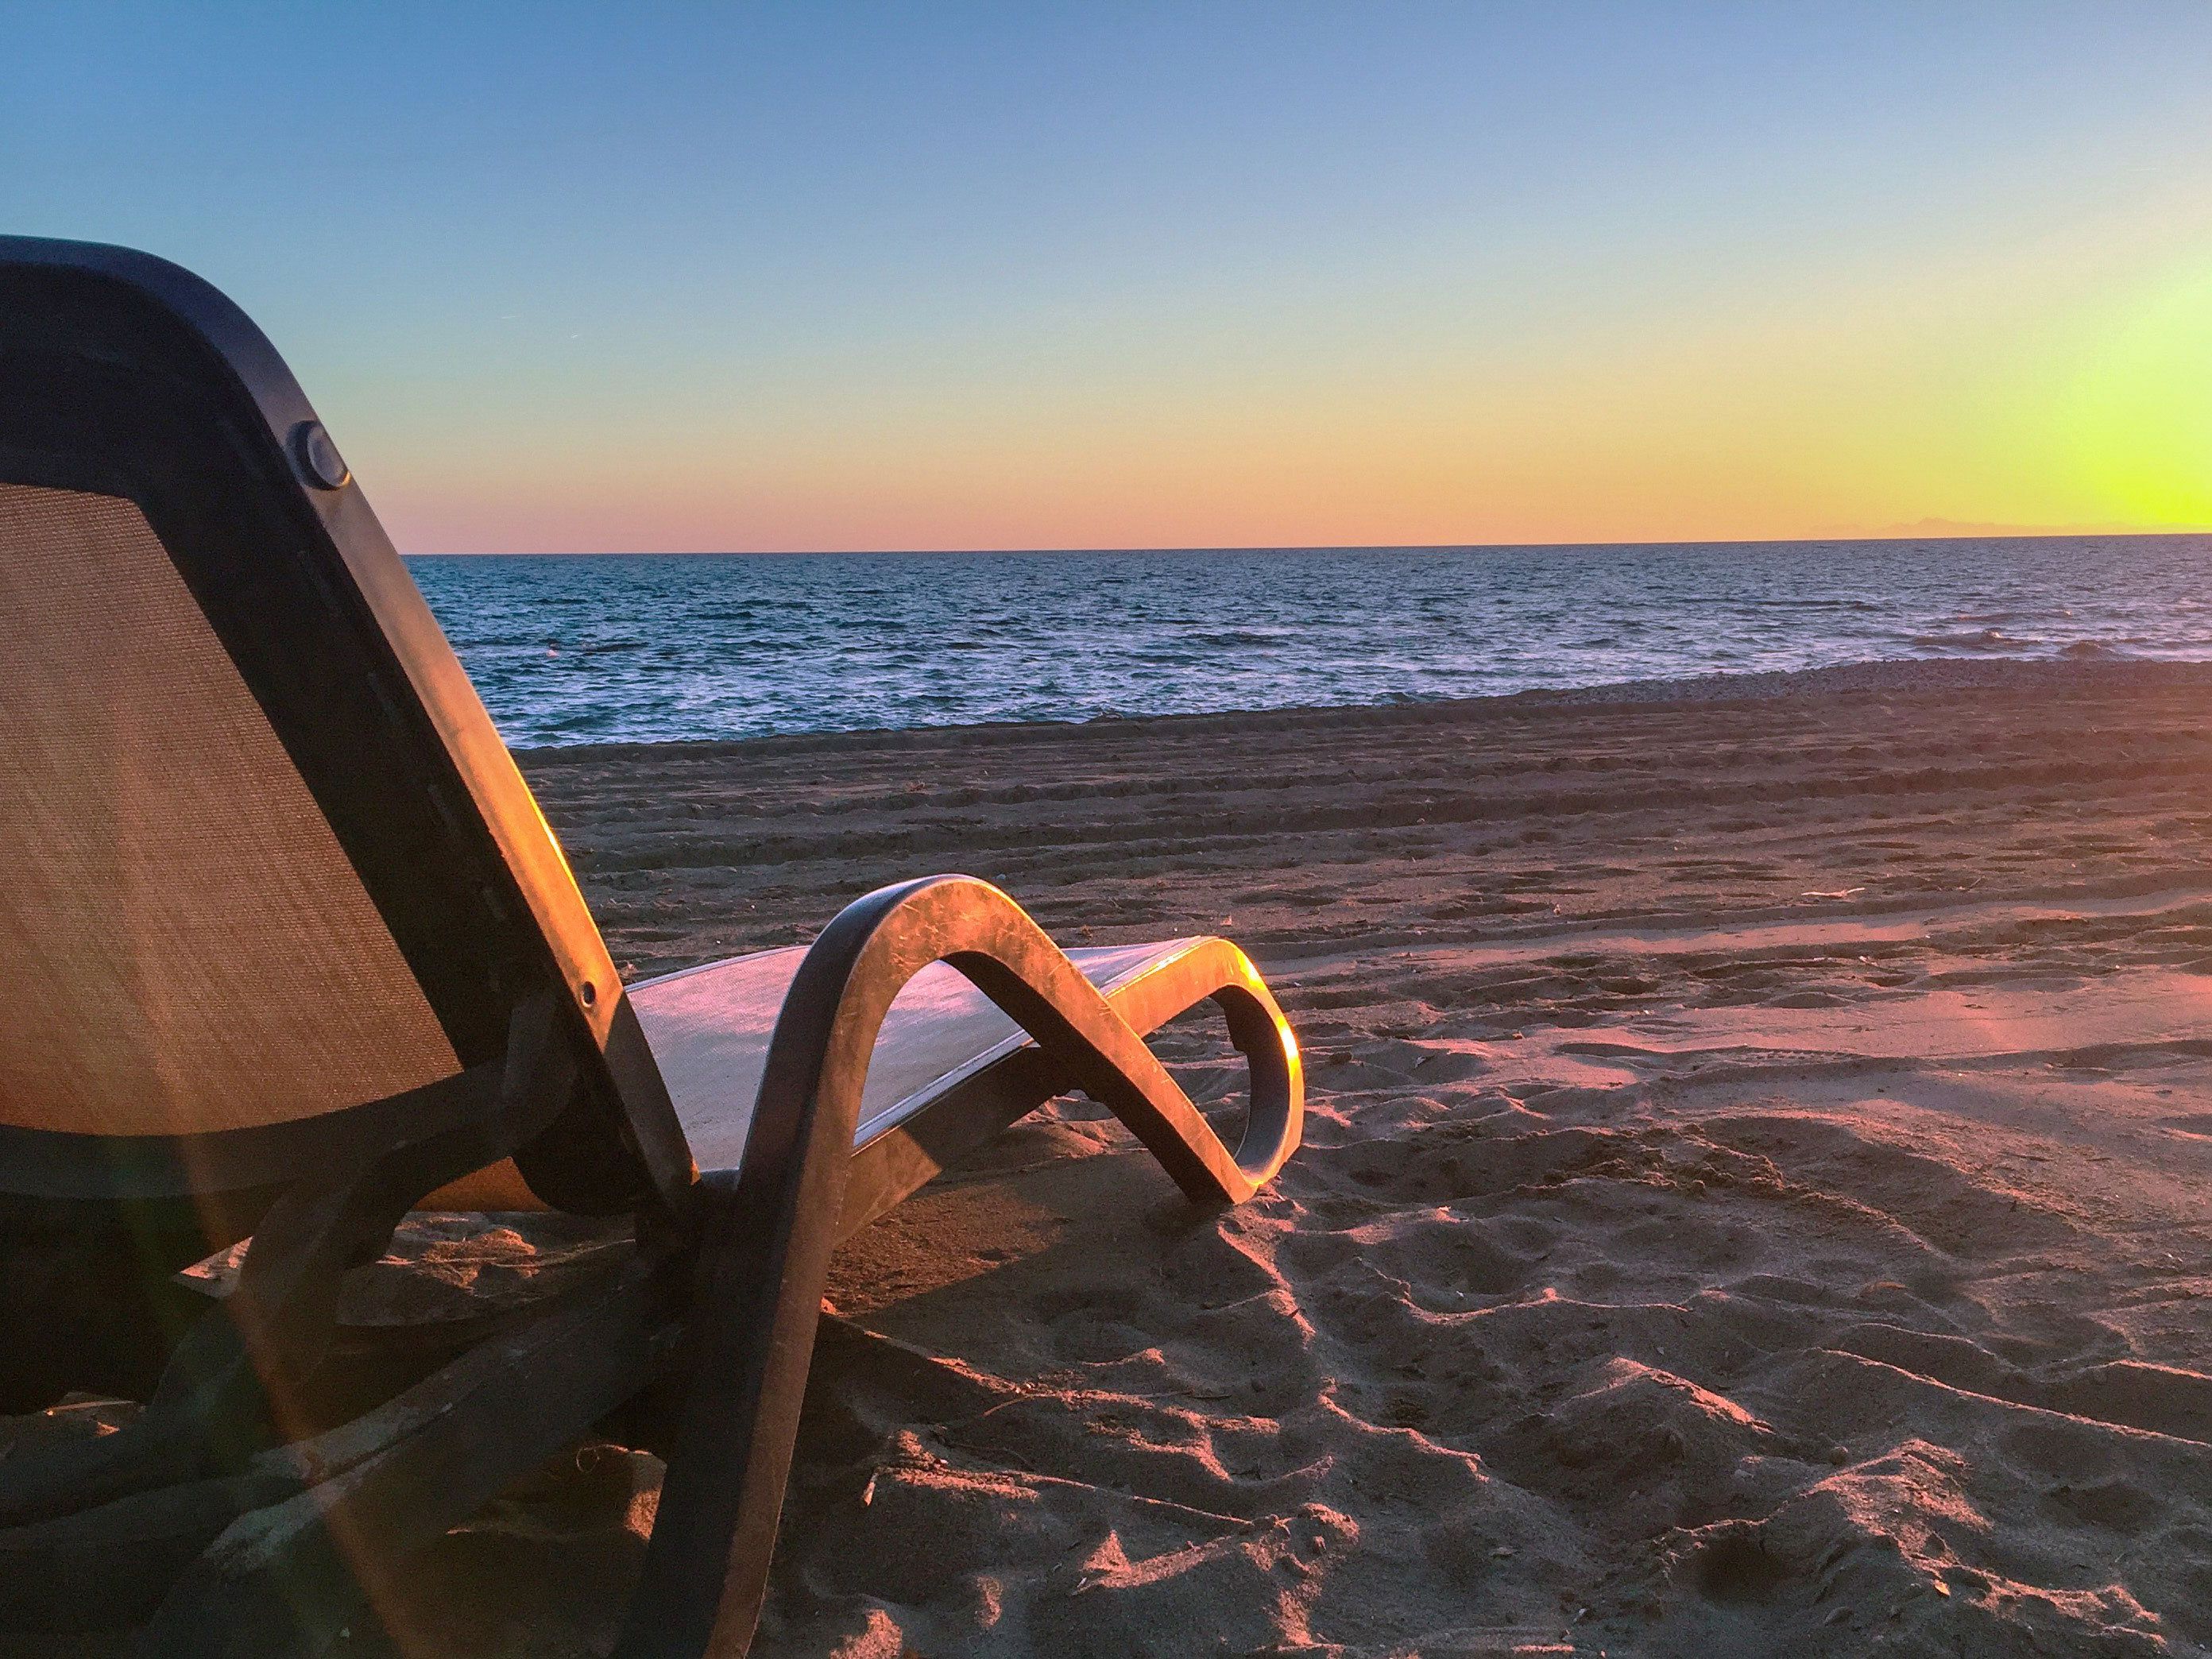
[709,1029]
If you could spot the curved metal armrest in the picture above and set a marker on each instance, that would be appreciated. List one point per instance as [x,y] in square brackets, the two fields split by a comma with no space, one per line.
[826,1032]
[880,942]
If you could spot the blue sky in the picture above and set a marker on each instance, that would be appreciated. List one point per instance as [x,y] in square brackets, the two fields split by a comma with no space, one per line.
[741,276]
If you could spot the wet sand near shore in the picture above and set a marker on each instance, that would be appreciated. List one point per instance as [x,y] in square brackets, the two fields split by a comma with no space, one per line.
[1757,1194]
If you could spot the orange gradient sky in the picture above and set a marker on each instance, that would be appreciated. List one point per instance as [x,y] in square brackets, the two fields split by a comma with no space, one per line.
[1244,276]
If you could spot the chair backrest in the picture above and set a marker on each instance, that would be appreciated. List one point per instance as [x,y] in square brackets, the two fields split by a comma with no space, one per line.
[264,862]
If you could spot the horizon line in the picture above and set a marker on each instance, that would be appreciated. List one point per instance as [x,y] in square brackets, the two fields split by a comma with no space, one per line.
[1964,533]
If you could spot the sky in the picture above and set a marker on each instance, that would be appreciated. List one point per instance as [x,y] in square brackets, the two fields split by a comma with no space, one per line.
[714,277]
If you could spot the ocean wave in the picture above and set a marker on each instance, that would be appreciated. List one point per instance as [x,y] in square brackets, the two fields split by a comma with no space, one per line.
[1782,602]
[1988,641]
[1232,636]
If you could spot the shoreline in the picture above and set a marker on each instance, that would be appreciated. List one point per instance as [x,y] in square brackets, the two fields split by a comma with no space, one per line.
[1423,821]
[1888,675]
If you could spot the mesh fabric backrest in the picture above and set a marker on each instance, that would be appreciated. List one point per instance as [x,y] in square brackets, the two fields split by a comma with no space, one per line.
[189,948]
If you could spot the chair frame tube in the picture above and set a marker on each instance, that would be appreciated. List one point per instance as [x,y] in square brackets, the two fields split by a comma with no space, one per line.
[766,1234]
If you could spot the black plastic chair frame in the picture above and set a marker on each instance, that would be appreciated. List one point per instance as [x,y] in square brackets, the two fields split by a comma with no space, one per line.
[255,1505]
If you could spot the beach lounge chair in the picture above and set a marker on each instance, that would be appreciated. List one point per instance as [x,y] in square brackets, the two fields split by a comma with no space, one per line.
[293,954]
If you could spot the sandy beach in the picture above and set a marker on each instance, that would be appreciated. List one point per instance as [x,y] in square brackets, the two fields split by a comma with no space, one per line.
[1757,1199]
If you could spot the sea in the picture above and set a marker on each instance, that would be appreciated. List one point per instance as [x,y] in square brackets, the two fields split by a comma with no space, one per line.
[573,649]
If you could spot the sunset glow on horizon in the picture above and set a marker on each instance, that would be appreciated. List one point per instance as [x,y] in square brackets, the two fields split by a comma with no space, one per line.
[1239,275]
